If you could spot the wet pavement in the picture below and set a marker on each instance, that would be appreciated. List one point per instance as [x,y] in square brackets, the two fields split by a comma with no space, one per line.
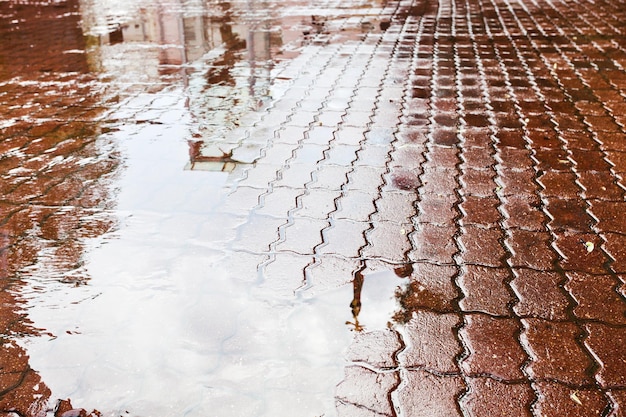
[402,208]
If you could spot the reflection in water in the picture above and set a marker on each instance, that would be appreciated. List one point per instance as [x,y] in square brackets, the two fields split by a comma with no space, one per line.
[381,288]
[123,257]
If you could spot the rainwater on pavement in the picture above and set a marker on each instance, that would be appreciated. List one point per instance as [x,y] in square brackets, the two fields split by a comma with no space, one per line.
[312,208]
[130,287]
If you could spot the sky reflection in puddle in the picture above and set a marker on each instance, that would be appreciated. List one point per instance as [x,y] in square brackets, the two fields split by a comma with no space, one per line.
[168,325]
[160,317]
[166,328]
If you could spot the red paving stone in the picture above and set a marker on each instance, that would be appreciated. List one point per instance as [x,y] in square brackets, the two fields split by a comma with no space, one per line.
[481,143]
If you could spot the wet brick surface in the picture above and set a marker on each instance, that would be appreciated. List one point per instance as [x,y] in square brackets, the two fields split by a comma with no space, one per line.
[483,143]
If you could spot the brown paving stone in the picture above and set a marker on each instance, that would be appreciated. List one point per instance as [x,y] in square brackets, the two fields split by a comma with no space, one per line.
[569,214]
[615,246]
[478,158]
[433,243]
[597,297]
[480,210]
[524,212]
[576,254]
[432,342]
[615,143]
[445,137]
[516,182]
[431,287]
[514,158]
[409,155]
[477,137]
[376,348]
[24,392]
[425,394]
[540,295]
[559,184]
[531,249]
[589,160]
[607,345]
[403,179]
[493,347]
[438,181]
[601,185]
[558,400]
[552,159]
[512,138]
[365,391]
[487,397]
[555,352]
[482,246]
[478,182]
[437,209]
[442,157]
[610,215]
[485,290]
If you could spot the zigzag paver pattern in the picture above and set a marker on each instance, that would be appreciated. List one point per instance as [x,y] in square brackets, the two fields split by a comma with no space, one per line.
[481,142]
[491,156]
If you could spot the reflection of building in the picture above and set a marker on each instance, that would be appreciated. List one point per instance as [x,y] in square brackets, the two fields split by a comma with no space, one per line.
[181,36]
[221,52]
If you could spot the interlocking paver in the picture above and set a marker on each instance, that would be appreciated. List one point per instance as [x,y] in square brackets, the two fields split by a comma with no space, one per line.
[540,294]
[493,348]
[605,344]
[416,396]
[432,342]
[485,290]
[365,393]
[476,148]
[487,396]
[555,400]
[597,297]
[556,352]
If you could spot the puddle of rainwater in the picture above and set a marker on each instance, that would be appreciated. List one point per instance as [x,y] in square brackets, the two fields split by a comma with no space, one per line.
[167,329]
[164,325]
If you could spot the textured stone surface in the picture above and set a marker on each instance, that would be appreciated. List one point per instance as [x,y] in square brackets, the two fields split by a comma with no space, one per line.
[475,149]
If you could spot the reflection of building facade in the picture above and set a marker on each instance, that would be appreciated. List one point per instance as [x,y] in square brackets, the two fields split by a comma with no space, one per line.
[223,59]
[182,36]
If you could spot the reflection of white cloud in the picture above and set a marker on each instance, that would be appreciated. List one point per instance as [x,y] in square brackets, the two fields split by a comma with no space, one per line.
[169,325]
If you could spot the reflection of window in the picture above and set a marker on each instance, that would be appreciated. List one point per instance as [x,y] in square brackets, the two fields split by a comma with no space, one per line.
[117,36]
[189,29]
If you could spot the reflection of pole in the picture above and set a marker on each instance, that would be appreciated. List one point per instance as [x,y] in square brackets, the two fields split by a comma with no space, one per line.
[355,305]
